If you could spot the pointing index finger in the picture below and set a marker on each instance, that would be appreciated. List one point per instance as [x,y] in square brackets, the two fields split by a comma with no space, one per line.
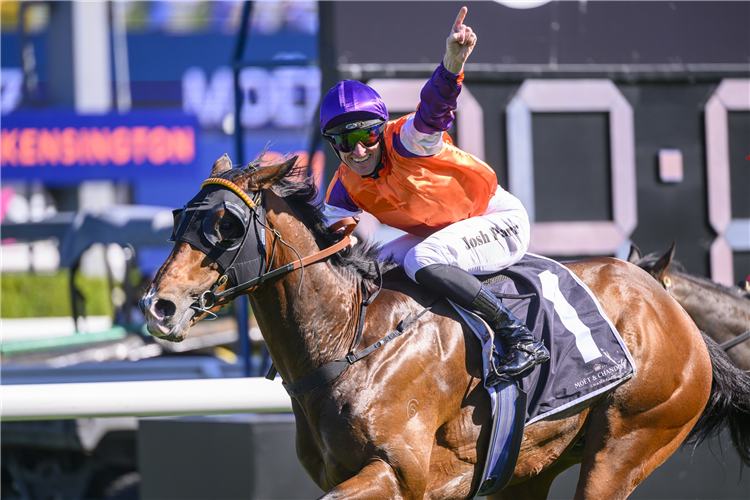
[459,19]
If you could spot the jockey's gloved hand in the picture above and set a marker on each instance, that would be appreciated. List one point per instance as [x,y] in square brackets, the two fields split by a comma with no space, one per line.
[355,240]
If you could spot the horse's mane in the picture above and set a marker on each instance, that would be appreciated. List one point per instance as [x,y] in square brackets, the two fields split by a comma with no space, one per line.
[676,268]
[302,197]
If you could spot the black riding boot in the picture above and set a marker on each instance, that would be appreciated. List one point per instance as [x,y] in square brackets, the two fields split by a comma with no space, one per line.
[522,351]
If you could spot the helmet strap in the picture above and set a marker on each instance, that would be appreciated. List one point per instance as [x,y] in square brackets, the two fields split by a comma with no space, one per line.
[381,164]
[338,153]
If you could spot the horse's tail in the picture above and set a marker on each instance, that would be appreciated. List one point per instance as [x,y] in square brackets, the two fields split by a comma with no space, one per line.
[729,404]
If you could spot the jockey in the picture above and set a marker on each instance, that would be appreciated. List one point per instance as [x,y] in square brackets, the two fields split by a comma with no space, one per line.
[409,175]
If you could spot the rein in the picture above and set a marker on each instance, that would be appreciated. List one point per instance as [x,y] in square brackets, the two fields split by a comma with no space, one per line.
[737,340]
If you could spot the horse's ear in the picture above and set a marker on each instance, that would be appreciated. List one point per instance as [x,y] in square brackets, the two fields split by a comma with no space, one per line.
[266,177]
[635,254]
[221,165]
[662,265]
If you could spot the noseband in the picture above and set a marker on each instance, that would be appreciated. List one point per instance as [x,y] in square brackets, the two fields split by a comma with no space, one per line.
[210,298]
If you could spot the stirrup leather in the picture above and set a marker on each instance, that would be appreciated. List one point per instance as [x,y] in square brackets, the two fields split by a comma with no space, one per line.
[494,377]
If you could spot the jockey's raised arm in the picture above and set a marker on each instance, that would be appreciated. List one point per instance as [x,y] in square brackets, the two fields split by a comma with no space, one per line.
[422,134]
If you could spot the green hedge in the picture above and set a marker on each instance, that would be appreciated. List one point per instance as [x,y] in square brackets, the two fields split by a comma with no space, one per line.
[30,295]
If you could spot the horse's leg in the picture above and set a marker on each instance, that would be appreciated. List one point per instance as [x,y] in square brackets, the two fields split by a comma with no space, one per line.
[308,449]
[376,480]
[637,427]
[621,451]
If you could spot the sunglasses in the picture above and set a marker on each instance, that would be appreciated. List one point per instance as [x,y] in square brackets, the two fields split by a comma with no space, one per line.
[347,142]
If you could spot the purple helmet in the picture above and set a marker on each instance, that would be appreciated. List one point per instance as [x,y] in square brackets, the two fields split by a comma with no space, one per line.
[350,100]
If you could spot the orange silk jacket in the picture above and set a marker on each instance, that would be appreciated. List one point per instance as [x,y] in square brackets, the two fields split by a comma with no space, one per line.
[420,194]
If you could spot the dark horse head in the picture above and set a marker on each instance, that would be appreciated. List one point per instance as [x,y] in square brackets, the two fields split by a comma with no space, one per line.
[721,312]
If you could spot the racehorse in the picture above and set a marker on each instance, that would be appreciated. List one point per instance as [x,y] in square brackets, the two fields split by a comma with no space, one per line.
[412,419]
[722,312]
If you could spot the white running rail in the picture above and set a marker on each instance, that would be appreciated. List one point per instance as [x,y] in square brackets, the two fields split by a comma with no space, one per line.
[142,398]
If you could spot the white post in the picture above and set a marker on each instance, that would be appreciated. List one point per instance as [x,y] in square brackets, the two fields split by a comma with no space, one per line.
[120,43]
[91,59]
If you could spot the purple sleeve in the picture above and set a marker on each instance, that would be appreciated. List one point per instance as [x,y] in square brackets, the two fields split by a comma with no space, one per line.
[438,100]
[339,197]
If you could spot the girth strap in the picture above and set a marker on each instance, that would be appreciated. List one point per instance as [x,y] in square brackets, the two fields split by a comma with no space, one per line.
[331,371]
[360,325]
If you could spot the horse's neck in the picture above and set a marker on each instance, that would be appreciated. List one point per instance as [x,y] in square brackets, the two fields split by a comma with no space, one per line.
[710,306]
[307,325]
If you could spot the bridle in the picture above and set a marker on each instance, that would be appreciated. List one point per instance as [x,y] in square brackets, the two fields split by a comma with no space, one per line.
[210,298]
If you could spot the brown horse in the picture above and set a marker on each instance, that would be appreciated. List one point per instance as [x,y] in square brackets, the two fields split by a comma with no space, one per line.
[722,312]
[412,419]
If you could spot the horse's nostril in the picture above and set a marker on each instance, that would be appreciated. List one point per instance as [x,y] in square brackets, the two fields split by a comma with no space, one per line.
[164,309]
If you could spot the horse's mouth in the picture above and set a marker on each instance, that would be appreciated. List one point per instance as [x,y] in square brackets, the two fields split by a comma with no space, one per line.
[172,331]
[171,337]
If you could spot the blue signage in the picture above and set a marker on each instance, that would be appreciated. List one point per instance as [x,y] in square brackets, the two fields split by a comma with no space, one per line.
[61,147]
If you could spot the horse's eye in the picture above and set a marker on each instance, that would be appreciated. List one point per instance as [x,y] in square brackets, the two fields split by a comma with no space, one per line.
[229,228]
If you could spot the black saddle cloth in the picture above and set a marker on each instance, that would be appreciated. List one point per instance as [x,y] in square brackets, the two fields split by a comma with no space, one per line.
[588,356]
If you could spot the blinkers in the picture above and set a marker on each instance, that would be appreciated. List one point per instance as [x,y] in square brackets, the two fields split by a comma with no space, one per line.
[220,224]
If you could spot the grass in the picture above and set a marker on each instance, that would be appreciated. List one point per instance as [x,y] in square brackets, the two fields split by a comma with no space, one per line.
[31,295]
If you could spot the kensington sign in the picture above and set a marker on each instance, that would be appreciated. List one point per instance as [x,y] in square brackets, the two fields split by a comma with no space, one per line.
[62,146]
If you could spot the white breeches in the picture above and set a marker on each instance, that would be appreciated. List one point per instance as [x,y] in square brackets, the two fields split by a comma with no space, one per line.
[480,245]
